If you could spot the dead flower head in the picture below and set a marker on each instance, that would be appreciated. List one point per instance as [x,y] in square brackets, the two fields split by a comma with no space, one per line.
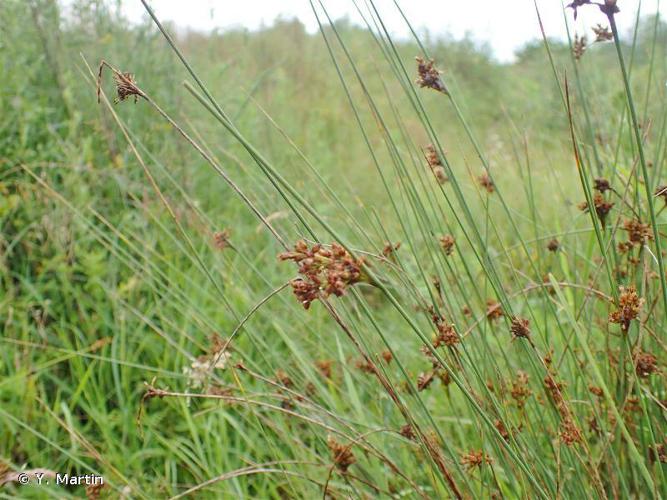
[520,328]
[324,271]
[474,459]
[520,389]
[629,307]
[126,85]
[429,76]
[645,364]
[602,207]
[601,185]
[493,310]
[486,182]
[553,245]
[221,239]
[638,232]
[447,243]
[602,33]
[342,455]
[435,164]
[579,46]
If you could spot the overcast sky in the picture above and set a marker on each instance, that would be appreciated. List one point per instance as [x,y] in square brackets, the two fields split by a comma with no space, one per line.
[505,24]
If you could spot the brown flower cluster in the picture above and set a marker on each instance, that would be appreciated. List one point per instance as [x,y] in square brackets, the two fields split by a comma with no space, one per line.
[602,33]
[435,164]
[221,239]
[645,364]
[429,76]
[324,271]
[553,245]
[520,390]
[474,459]
[629,307]
[579,46]
[519,328]
[486,182]
[324,367]
[447,243]
[126,85]
[341,454]
[638,232]
[569,432]
[602,206]
[493,310]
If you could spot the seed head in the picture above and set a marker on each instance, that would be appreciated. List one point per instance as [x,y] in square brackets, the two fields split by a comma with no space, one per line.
[645,364]
[221,239]
[493,310]
[324,271]
[579,46]
[638,232]
[486,182]
[474,459]
[553,245]
[629,307]
[519,328]
[447,243]
[342,455]
[429,76]
[602,33]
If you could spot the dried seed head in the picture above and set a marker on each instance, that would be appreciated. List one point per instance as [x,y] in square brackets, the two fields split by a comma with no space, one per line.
[435,164]
[446,335]
[324,271]
[408,432]
[486,182]
[579,46]
[638,232]
[474,459]
[645,364]
[602,185]
[520,391]
[629,307]
[602,33]
[519,328]
[387,356]
[553,245]
[390,248]
[342,455]
[221,239]
[324,366]
[425,379]
[500,427]
[447,243]
[493,310]
[602,207]
[429,76]
[570,433]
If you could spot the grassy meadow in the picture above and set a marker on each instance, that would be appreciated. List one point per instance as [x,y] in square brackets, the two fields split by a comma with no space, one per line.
[308,265]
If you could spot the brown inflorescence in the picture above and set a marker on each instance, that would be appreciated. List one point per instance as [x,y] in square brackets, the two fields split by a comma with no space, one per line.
[602,207]
[429,76]
[553,245]
[342,455]
[435,164]
[579,46]
[629,307]
[486,182]
[520,391]
[474,459]
[519,328]
[221,239]
[645,364]
[602,33]
[447,243]
[324,271]
[638,232]
[324,366]
[493,310]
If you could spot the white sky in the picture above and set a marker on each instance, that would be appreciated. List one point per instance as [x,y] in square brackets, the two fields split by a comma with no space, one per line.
[505,24]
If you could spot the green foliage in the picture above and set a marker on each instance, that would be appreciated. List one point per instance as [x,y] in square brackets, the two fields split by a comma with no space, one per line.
[119,288]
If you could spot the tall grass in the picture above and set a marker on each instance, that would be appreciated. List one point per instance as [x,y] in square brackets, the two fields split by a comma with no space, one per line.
[459,327]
